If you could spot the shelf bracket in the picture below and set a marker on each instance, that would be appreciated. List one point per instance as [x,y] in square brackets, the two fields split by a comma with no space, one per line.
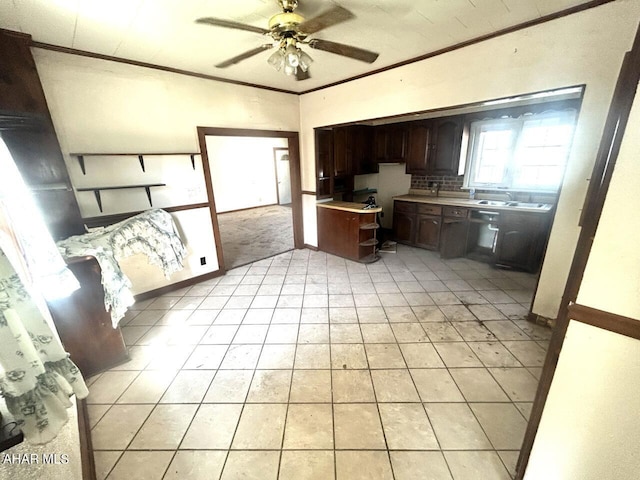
[81,162]
[193,161]
[148,190]
[141,160]
[96,193]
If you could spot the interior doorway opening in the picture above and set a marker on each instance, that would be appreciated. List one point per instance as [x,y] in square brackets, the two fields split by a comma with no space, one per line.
[253,185]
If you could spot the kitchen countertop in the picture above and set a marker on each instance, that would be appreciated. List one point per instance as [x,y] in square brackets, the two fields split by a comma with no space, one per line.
[475,203]
[348,207]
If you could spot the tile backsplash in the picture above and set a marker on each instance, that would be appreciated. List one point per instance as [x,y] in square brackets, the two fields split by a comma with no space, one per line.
[454,184]
[446,183]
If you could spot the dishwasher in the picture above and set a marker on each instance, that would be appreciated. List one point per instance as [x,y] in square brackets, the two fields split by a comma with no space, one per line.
[483,234]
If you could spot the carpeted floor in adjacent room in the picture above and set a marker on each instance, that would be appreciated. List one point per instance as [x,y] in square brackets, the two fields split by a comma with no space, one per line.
[254,234]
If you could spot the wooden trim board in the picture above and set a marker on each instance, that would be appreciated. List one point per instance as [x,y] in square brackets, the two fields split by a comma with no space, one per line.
[629,327]
[178,285]
[473,41]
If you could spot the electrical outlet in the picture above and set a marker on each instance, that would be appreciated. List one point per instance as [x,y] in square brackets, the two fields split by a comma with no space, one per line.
[203,260]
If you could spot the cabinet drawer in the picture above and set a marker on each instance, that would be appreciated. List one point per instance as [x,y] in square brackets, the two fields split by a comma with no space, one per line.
[427,209]
[406,207]
[455,212]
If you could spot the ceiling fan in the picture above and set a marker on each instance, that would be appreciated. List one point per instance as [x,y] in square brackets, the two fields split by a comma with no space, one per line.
[289,30]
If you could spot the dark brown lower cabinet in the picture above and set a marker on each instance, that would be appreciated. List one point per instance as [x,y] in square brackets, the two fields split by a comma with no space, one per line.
[348,234]
[521,240]
[83,324]
[404,226]
[428,232]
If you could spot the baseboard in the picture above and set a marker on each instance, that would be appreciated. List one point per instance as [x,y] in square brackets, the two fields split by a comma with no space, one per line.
[250,208]
[178,285]
[310,247]
[540,320]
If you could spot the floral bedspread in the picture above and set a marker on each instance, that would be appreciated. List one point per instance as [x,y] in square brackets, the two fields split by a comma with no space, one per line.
[152,232]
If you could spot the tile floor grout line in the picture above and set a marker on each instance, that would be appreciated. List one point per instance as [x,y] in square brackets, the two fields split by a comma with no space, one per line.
[422,403]
[286,415]
[375,397]
[333,412]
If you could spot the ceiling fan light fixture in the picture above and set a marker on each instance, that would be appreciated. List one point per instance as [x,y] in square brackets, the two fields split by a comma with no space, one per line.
[276,60]
[290,70]
[305,61]
[292,54]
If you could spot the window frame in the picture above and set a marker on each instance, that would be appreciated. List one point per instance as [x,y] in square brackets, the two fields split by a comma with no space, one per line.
[518,123]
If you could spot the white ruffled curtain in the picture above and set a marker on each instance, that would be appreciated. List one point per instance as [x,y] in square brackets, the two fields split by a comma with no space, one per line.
[36,375]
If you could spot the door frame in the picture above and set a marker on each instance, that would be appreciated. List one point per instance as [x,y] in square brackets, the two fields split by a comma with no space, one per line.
[293,141]
[275,162]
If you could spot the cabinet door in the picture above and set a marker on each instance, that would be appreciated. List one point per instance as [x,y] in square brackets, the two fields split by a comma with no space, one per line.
[324,162]
[447,138]
[397,142]
[342,151]
[521,240]
[338,232]
[404,226]
[453,237]
[428,232]
[363,160]
[380,143]
[418,149]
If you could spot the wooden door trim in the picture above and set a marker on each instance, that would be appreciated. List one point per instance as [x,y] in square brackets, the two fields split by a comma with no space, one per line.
[294,169]
[629,327]
[617,117]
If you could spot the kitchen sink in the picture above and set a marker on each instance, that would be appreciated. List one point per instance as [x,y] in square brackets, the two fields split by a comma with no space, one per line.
[526,205]
[492,202]
[498,203]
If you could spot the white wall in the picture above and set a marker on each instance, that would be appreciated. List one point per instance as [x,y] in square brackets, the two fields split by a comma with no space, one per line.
[590,428]
[390,181]
[102,106]
[583,48]
[243,171]
[195,229]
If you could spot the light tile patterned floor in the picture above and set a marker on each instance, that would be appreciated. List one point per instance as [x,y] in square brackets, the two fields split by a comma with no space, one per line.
[307,366]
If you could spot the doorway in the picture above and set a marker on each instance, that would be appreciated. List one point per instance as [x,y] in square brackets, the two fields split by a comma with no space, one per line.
[253,186]
[283,175]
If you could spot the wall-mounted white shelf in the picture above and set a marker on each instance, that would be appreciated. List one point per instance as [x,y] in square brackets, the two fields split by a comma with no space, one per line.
[96,190]
[81,162]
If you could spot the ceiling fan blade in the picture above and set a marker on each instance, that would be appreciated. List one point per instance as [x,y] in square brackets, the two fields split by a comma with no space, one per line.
[326,19]
[344,50]
[244,56]
[301,75]
[219,22]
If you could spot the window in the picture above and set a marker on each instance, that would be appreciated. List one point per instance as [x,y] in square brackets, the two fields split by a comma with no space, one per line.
[526,153]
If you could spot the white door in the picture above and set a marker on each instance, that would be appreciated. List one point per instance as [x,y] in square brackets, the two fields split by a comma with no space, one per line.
[284,177]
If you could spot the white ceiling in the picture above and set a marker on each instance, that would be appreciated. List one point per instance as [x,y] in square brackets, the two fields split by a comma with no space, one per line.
[163,32]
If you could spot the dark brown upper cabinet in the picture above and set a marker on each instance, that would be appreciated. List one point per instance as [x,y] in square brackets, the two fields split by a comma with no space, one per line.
[419,148]
[324,162]
[447,140]
[390,142]
[342,151]
[363,161]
